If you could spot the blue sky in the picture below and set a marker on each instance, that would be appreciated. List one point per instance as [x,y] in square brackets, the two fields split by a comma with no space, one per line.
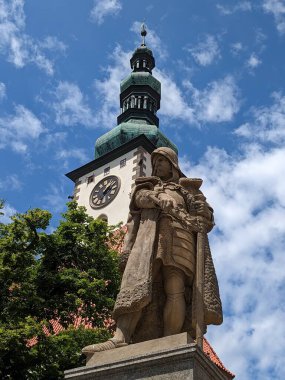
[222,68]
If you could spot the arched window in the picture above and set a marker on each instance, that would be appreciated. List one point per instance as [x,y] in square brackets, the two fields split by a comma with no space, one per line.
[103,217]
[145,102]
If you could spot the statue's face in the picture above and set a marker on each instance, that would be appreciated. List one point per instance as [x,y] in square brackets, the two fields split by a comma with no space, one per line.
[163,168]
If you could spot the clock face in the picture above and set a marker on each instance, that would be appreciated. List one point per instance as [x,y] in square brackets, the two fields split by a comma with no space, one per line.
[105,191]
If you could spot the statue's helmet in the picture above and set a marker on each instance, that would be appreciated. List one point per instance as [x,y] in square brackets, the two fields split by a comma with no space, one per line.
[170,155]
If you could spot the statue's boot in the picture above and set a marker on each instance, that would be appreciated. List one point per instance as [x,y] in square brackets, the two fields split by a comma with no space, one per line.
[108,345]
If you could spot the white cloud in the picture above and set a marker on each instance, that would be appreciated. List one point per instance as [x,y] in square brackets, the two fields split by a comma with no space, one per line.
[277,8]
[10,182]
[54,138]
[236,48]
[53,43]
[206,52]
[152,40]
[7,211]
[246,190]
[268,123]
[55,197]
[253,61]
[71,106]
[219,102]
[247,193]
[243,6]
[76,153]
[18,129]
[173,103]
[108,89]
[104,8]
[2,91]
[65,155]
[20,48]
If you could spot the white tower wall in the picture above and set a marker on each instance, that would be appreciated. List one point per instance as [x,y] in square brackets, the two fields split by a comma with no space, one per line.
[137,164]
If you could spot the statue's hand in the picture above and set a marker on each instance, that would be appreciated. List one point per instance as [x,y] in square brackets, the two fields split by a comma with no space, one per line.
[166,202]
[201,206]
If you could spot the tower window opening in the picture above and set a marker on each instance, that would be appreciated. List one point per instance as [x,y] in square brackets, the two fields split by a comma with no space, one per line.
[138,64]
[144,63]
[145,102]
[123,162]
[139,102]
[90,179]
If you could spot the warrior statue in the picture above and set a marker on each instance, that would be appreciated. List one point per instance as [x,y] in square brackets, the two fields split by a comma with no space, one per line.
[167,228]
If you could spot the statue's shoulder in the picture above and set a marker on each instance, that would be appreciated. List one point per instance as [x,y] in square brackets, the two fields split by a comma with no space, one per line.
[147,180]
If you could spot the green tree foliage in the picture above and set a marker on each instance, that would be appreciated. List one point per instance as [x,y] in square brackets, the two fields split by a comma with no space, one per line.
[60,276]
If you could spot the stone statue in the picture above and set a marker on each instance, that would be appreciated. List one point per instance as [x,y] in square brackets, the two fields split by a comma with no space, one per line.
[169,219]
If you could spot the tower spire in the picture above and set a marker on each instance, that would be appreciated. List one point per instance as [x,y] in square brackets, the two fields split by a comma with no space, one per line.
[143,34]
[140,91]
[139,102]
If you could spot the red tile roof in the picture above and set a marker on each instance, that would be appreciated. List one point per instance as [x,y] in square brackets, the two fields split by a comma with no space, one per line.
[209,351]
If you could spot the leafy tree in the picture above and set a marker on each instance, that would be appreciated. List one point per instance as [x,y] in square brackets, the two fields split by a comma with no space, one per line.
[67,274]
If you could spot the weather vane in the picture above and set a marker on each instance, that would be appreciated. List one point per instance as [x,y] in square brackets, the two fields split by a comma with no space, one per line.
[143,33]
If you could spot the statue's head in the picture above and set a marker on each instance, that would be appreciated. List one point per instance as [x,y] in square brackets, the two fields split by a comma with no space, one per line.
[165,164]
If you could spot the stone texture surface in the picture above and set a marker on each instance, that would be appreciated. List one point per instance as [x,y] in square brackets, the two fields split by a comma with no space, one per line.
[169,283]
[174,357]
[133,350]
[162,243]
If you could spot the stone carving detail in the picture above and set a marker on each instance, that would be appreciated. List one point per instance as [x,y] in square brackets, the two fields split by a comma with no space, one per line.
[169,283]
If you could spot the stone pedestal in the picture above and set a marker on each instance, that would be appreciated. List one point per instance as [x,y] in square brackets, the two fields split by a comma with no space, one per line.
[173,357]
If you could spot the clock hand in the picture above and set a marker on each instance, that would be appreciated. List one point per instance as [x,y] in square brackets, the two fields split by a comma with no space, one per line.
[108,187]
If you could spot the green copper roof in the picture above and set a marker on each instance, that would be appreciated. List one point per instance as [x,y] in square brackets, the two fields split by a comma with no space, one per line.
[127,131]
[141,78]
[142,49]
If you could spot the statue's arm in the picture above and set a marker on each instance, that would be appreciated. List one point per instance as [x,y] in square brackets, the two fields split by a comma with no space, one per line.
[143,198]
[154,199]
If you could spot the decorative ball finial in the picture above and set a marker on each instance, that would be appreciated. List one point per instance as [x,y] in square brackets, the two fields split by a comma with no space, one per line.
[143,33]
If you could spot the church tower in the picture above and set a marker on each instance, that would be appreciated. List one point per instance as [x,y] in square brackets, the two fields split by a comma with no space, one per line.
[104,185]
